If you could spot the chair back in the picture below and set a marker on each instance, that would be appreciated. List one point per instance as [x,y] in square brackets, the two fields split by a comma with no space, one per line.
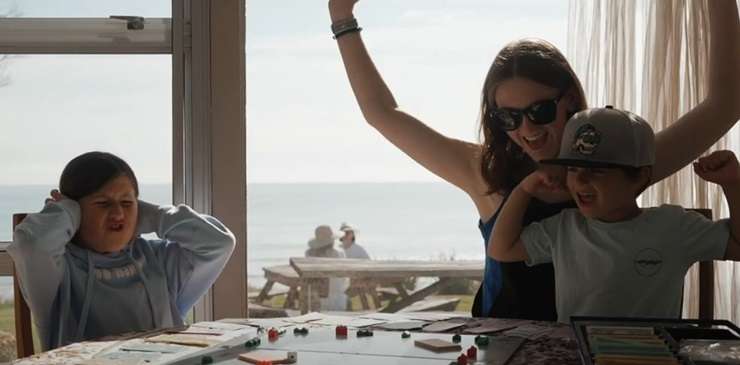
[23,326]
[706,279]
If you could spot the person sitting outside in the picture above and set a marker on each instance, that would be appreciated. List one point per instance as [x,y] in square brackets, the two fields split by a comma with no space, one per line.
[352,250]
[322,245]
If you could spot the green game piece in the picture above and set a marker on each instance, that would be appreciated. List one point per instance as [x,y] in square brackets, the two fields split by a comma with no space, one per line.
[481,341]
[206,360]
[456,338]
[405,334]
[252,343]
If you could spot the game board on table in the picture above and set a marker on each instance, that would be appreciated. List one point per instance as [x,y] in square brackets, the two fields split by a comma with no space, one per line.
[616,341]
[323,345]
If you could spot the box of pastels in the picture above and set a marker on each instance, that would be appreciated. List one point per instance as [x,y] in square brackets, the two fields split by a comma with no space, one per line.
[630,341]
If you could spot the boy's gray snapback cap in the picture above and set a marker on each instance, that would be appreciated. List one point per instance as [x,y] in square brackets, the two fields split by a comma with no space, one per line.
[606,137]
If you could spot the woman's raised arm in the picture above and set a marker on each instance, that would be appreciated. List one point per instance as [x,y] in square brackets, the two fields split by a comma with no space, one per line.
[692,134]
[453,160]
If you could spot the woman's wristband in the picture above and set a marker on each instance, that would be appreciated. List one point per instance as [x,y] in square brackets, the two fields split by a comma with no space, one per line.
[346,26]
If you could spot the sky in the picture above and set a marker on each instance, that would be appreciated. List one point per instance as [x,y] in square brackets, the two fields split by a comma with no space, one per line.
[303,124]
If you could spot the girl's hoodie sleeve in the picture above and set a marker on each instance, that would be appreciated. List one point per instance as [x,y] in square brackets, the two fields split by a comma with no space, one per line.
[39,244]
[196,250]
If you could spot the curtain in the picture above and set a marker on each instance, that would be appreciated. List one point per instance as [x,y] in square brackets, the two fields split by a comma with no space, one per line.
[650,57]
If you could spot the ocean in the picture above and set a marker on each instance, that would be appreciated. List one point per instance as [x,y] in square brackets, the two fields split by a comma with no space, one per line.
[393,220]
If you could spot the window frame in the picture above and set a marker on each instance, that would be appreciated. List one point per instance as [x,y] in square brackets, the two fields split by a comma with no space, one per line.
[206,41]
[84,36]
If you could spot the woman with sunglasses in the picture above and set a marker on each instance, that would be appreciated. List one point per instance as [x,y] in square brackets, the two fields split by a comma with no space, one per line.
[528,95]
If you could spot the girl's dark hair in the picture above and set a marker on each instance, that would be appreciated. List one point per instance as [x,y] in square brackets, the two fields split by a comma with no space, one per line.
[503,164]
[88,172]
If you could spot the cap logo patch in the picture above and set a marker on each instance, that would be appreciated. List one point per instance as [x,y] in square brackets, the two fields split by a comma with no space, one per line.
[587,139]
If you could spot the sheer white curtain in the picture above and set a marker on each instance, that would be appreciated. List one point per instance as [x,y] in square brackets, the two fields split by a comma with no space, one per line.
[651,57]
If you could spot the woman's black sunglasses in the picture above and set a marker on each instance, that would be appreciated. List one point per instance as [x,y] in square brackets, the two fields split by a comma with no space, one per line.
[541,112]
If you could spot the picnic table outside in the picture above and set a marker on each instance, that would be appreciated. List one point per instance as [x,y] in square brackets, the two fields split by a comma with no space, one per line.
[373,278]
[377,289]
[309,272]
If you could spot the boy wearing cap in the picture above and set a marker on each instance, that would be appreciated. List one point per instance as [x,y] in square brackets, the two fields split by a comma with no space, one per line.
[611,257]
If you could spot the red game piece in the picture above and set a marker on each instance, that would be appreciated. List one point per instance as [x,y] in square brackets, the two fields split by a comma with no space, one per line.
[341,331]
[462,360]
[472,353]
[273,334]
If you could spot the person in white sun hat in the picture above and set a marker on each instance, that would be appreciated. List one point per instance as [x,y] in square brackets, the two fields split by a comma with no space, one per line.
[611,257]
[334,296]
[322,244]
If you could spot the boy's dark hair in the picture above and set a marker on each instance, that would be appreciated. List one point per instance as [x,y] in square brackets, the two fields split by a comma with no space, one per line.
[633,173]
[88,172]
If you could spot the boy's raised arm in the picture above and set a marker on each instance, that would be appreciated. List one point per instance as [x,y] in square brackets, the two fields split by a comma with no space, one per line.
[723,169]
[505,244]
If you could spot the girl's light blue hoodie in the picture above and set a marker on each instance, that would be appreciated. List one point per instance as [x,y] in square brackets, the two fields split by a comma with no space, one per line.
[76,294]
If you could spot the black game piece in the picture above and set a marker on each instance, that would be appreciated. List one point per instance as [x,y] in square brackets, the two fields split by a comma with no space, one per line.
[481,341]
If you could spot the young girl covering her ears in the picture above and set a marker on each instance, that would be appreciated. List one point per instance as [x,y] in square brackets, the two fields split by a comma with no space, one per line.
[86,272]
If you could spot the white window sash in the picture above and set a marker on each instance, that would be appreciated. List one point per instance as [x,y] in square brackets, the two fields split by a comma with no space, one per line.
[209,136]
[84,36]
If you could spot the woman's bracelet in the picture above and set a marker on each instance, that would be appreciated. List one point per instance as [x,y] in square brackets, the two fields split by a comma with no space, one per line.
[345,26]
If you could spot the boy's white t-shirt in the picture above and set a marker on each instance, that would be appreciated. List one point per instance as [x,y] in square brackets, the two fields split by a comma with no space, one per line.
[633,268]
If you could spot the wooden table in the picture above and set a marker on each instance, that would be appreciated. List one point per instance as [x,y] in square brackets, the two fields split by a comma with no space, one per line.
[311,271]
[556,347]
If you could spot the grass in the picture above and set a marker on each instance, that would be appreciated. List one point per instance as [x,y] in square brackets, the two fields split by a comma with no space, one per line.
[7,324]
[7,317]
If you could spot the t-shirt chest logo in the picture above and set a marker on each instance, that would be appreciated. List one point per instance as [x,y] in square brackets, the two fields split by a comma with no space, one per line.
[587,139]
[648,262]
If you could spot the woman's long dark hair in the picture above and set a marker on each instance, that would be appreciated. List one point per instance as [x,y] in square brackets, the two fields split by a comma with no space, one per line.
[503,163]
[88,172]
